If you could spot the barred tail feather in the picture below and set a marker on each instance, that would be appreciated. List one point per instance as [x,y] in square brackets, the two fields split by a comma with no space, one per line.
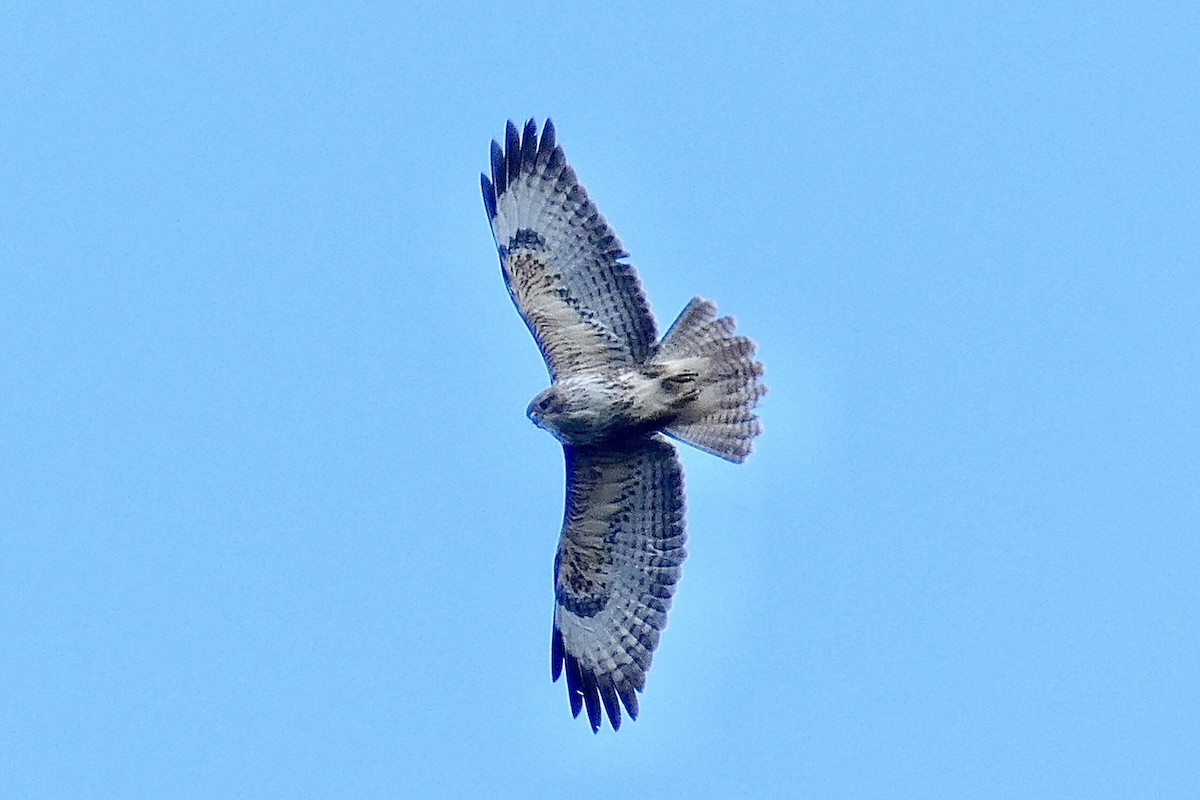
[721,419]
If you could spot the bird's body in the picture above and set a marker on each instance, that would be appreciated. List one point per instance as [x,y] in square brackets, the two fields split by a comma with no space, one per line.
[614,390]
[603,405]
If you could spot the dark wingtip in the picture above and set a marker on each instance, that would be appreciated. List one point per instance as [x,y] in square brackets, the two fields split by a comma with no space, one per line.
[546,145]
[529,143]
[612,706]
[522,149]
[489,196]
[557,654]
[632,707]
[574,686]
[499,175]
[512,150]
[597,693]
[591,697]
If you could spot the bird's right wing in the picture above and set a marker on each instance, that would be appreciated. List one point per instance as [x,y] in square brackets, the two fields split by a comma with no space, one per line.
[561,261]
[619,558]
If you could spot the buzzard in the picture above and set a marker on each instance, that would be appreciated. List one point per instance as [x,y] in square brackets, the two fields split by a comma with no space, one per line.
[615,391]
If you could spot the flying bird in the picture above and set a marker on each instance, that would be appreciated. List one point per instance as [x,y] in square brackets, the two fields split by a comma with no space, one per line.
[615,390]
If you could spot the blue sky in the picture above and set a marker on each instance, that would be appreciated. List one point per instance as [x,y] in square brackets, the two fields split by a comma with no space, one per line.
[273,522]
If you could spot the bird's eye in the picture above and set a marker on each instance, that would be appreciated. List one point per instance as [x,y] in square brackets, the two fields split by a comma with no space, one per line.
[545,404]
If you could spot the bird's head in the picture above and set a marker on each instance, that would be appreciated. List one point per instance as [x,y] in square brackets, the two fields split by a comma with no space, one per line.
[545,409]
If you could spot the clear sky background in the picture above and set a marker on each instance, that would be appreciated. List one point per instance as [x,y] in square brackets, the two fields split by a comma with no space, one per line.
[273,522]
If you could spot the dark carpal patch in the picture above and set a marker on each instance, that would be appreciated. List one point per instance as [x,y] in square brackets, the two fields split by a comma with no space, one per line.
[526,238]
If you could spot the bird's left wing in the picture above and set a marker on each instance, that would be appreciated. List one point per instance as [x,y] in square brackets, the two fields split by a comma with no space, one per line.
[619,558]
[561,261]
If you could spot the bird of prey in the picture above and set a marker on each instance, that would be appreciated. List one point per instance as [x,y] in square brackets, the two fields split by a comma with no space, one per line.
[615,391]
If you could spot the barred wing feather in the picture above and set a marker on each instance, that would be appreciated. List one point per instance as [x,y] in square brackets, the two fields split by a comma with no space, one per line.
[561,261]
[619,558]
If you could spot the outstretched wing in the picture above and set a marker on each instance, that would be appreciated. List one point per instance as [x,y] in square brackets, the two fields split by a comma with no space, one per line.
[560,259]
[618,561]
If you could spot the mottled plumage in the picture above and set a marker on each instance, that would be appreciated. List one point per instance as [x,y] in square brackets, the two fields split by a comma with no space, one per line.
[614,390]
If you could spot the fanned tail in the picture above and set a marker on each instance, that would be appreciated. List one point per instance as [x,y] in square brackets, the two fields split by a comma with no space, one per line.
[720,420]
